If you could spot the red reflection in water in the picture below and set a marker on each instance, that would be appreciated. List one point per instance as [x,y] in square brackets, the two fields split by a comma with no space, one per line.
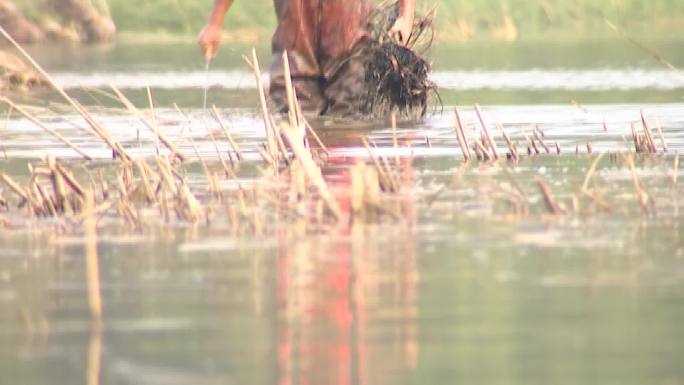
[322,290]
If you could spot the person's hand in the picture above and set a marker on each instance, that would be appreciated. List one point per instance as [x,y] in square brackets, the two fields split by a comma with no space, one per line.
[402,29]
[209,40]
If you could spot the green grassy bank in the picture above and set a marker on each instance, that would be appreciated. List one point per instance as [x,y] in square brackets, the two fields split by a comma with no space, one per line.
[456,19]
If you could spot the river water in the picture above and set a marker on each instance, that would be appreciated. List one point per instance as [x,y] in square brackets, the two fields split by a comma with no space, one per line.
[458,291]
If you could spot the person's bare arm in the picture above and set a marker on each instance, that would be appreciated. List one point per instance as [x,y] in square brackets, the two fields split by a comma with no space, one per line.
[210,37]
[404,24]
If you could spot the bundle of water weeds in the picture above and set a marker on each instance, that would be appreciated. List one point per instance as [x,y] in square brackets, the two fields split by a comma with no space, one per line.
[397,75]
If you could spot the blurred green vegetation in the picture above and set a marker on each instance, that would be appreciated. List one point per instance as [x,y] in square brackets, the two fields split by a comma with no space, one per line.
[186,17]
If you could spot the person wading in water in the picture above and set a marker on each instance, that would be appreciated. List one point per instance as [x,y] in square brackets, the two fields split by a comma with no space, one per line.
[320,37]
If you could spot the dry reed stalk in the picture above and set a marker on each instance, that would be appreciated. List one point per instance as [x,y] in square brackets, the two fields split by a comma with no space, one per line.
[45,128]
[121,184]
[269,129]
[655,55]
[193,210]
[365,193]
[385,179]
[148,191]
[533,144]
[153,117]
[647,131]
[291,110]
[587,179]
[99,210]
[482,151]
[42,201]
[295,138]
[212,187]
[14,186]
[551,205]
[281,149]
[659,129]
[115,146]
[511,147]
[461,136]
[233,144]
[309,128]
[642,196]
[70,181]
[636,140]
[538,134]
[151,125]
[489,140]
[92,260]
[104,186]
[590,172]
[94,363]
[58,186]
[390,173]
[166,174]
[266,157]
[226,170]
[675,169]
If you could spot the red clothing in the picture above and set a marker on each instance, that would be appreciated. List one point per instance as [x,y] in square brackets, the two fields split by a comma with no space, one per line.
[316,32]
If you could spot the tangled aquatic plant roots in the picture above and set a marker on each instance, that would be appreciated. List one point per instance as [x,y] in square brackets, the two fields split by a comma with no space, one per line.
[396,75]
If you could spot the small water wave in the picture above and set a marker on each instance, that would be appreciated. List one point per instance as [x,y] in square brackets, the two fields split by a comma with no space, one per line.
[607,127]
[533,79]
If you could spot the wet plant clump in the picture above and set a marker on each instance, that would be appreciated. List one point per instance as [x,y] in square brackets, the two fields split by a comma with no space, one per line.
[398,79]
[397,75]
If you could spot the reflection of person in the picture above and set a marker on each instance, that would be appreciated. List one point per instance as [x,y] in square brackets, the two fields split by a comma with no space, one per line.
[318,36]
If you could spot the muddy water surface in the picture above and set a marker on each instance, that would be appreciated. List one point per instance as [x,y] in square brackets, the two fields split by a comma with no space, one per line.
[461,289]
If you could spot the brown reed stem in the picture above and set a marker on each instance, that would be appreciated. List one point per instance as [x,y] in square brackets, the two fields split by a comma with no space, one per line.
[153,117]
[659,129]
[675,169]
[511,147]
[116,147]
[461,136]
[14,186]
[312,171]
[92,260]
[642,196]
[292,110]
[489,140]
[590,173]
[551,205]
[655,55]
[386,180]
[269,129]
[536,132]
[70,181]
[647,131]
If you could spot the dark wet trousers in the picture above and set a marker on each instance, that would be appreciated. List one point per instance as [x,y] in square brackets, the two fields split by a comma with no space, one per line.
[342,92]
